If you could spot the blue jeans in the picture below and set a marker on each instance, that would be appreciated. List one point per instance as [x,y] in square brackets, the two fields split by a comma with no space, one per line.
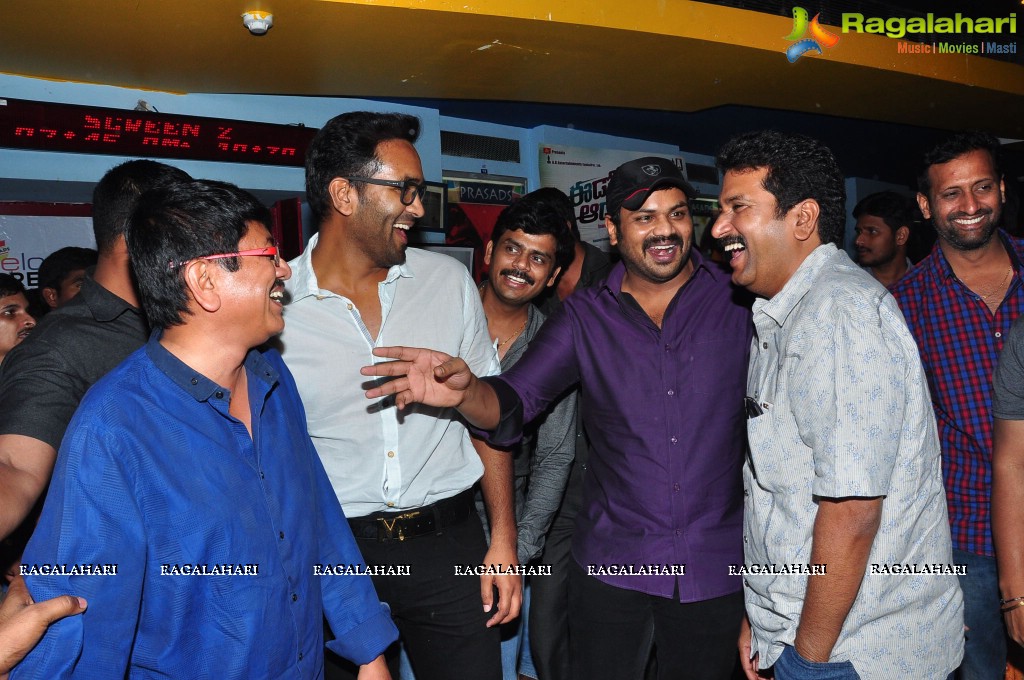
[985,638]
[792,666]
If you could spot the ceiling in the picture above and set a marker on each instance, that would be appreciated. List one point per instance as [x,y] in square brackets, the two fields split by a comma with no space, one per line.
[668,56]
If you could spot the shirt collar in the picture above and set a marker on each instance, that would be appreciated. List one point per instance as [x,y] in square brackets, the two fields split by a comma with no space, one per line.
[104,305]
[941,267]
[304,284]
[779,307]
[198,386]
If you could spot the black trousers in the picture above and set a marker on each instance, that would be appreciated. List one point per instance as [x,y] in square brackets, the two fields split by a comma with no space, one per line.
[549,598]
[611,628]
[439,615]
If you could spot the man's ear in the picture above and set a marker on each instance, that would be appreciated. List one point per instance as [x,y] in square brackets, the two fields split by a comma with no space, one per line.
[488,251]
[805,215]
[201,280]
[902,234]
[922,203]
[343,195]
[50,296]
[613,231]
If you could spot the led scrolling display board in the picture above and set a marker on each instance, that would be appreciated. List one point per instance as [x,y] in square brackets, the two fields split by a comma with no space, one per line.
[47,126]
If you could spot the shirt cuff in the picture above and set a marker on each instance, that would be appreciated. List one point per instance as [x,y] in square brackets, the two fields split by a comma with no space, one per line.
[364,642]
[510,426]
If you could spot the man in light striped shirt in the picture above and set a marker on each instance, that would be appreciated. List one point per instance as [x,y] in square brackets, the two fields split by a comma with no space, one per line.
[844,469]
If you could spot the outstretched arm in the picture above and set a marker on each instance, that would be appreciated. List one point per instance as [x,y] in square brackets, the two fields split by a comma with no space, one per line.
[436,379]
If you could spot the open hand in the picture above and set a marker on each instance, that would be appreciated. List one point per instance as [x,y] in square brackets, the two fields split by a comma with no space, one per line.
[420,376]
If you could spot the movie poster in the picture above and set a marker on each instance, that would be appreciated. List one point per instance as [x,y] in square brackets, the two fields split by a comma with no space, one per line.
[583,174]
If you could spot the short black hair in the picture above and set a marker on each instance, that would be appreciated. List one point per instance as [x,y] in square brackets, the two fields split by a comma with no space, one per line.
[537,217]
[799,168]
[181,222]
[894,209]
[60,263]
[115,195]
[10,285]
[561,202]
[346,146]
[955,146]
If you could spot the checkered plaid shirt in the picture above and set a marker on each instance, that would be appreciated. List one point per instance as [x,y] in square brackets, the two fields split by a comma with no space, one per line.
[960,340]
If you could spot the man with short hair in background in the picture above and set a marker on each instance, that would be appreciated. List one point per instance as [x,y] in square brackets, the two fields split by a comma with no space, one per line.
[529,246]
[549,604]
[843,470]
[15,321]
[62,273]
[41,382]
[960,303]
[883,232]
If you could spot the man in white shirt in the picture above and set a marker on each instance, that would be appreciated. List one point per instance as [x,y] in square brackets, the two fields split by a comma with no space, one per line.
[404,477]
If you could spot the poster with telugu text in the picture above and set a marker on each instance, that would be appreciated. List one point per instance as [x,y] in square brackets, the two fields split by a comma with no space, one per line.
[583,174]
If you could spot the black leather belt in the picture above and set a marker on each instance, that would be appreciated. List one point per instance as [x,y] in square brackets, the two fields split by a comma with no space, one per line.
[430,519]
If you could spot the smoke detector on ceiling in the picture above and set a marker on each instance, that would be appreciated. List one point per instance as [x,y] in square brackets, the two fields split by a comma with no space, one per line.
[257,21]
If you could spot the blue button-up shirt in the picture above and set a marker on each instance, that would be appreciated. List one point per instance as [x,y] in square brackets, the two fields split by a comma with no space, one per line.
[663,409]
[155,478]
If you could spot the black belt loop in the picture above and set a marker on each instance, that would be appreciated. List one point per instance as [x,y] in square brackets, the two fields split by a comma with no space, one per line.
[427,520]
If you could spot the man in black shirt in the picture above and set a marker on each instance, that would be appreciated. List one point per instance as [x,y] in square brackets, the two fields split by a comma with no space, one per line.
[44,378]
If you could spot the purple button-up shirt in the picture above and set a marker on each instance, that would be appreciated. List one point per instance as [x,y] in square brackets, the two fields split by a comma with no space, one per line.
[663,409]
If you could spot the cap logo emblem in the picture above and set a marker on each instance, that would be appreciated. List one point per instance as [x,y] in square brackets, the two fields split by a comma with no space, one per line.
[652,170]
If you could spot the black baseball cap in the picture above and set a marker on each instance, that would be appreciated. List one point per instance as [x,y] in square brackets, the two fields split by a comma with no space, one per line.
[633,181]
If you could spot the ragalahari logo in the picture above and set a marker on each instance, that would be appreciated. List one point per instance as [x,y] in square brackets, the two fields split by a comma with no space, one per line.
[819,36]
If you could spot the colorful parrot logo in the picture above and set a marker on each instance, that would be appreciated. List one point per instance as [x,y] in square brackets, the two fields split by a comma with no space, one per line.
[819,36]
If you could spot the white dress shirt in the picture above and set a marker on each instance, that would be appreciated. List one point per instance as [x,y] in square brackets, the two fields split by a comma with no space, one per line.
[376,457]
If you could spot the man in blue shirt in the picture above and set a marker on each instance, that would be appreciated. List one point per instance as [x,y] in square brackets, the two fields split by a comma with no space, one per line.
[188,505]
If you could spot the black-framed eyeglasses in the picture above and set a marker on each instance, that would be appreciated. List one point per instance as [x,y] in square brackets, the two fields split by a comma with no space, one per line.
[268,251]
[410,188]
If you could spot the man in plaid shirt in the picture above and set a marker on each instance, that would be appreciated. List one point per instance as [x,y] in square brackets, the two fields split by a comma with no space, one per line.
[960,302]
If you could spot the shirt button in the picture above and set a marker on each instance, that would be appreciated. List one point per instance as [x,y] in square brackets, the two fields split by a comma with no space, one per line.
[195,381]
[295,598]
[280,534]
[673,440]
[999,334]
[350,306]
[746,492]
[300,656]
[262,476]
[745,583]
[219,394]
[678,532]
[390,504]
[764,345]
[391,454]
[671,392]
[675,487]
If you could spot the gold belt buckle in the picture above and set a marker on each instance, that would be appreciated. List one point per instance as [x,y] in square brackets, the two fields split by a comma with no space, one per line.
[391,527]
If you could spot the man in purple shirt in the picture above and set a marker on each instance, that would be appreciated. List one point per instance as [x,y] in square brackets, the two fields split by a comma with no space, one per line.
[660,353]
